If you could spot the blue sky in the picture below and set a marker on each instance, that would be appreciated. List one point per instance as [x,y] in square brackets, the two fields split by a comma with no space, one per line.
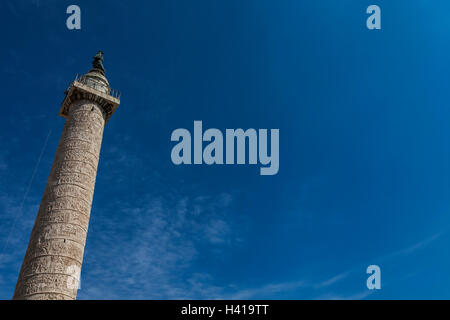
[364,155]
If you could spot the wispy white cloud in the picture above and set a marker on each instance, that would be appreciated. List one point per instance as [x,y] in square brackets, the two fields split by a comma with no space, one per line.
[354,296]
[267,290]
[361,268]
[332,280]
[16,223]
[415,247]
[150,254]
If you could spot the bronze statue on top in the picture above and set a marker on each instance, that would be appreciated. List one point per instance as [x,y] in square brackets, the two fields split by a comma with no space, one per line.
[98,61]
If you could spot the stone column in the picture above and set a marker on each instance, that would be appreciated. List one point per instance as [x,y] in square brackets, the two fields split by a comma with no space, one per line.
[52,263]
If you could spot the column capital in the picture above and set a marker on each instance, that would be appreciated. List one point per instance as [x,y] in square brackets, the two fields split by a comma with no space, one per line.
[92,86]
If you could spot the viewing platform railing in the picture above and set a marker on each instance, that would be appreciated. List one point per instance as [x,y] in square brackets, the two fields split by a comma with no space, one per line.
[92,84]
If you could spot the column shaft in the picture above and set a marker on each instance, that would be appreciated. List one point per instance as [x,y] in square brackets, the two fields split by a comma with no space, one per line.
[53,259]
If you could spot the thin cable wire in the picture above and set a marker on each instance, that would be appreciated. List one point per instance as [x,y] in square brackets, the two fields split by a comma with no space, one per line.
[19,212]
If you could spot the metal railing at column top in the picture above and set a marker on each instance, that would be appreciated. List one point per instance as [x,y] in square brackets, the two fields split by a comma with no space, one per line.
[86,81]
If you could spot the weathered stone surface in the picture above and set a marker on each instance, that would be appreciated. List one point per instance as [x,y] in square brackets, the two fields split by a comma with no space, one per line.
[57,241]
[28,286]
[49,296]
[62,247]
[63,189]
[49,264]
[65,217]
